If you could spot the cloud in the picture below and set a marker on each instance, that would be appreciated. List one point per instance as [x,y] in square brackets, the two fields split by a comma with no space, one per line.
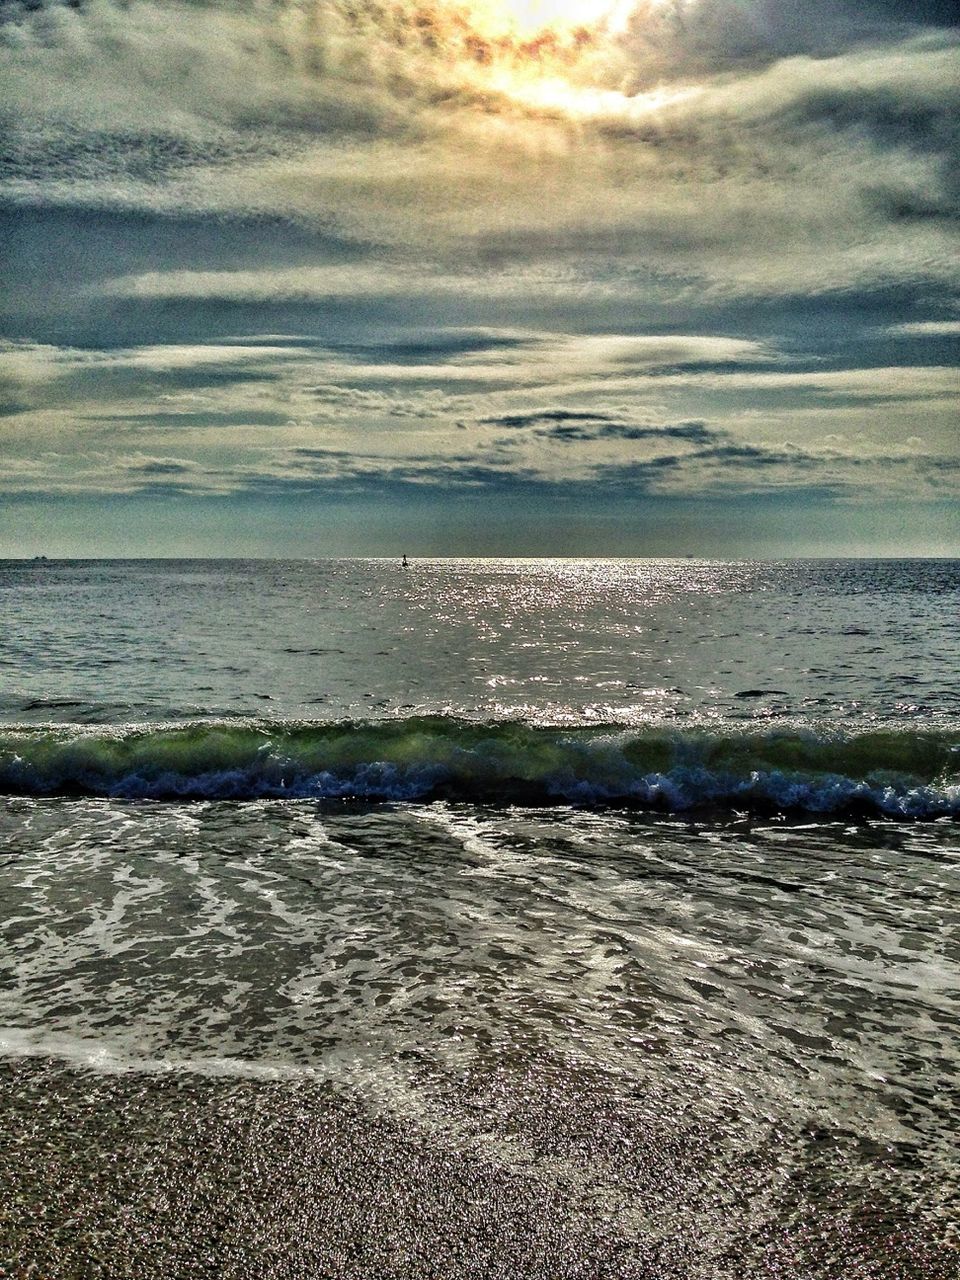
[521,358]
[42,362]
[699,36]
[341,372]
[570,425]
[795,171]
[867,385]
[924,329]
[553,406]
[357,249]
[351,280]
[553,453]
[162,467]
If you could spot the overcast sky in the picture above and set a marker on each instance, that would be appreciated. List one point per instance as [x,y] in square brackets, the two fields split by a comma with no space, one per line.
[499,277]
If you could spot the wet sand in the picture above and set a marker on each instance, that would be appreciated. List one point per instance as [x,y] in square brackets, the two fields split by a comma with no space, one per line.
[538,1174]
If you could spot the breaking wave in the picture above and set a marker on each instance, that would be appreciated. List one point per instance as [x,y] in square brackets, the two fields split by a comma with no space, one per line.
[891,772]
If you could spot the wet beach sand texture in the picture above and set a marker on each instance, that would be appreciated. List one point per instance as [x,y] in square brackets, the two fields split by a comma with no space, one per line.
[530,1171]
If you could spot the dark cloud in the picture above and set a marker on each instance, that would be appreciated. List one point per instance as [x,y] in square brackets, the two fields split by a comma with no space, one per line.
[162,469]
[179,420]
[448,344]
[696,432]
[537,417]
[708,34]
[573,425]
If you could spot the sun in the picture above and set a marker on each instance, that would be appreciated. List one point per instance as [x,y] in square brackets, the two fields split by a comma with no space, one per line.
[548,58]
[527,19]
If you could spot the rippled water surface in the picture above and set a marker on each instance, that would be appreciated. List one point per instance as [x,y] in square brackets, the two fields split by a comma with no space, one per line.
[719,1022]
[560,641]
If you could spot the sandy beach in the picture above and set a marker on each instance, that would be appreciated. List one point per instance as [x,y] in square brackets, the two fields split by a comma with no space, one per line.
[537,1176]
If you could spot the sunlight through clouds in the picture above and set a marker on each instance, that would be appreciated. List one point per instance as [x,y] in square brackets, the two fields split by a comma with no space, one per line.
[709,211]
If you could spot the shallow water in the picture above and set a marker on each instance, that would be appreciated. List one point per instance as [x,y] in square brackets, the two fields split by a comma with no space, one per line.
[547,976]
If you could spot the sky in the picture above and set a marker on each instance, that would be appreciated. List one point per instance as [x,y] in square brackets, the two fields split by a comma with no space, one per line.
[479,277]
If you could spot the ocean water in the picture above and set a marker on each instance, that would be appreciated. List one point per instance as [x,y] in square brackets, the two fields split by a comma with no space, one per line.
[639,878]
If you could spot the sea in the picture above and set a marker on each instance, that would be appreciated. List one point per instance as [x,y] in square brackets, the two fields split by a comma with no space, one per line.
[611,905]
